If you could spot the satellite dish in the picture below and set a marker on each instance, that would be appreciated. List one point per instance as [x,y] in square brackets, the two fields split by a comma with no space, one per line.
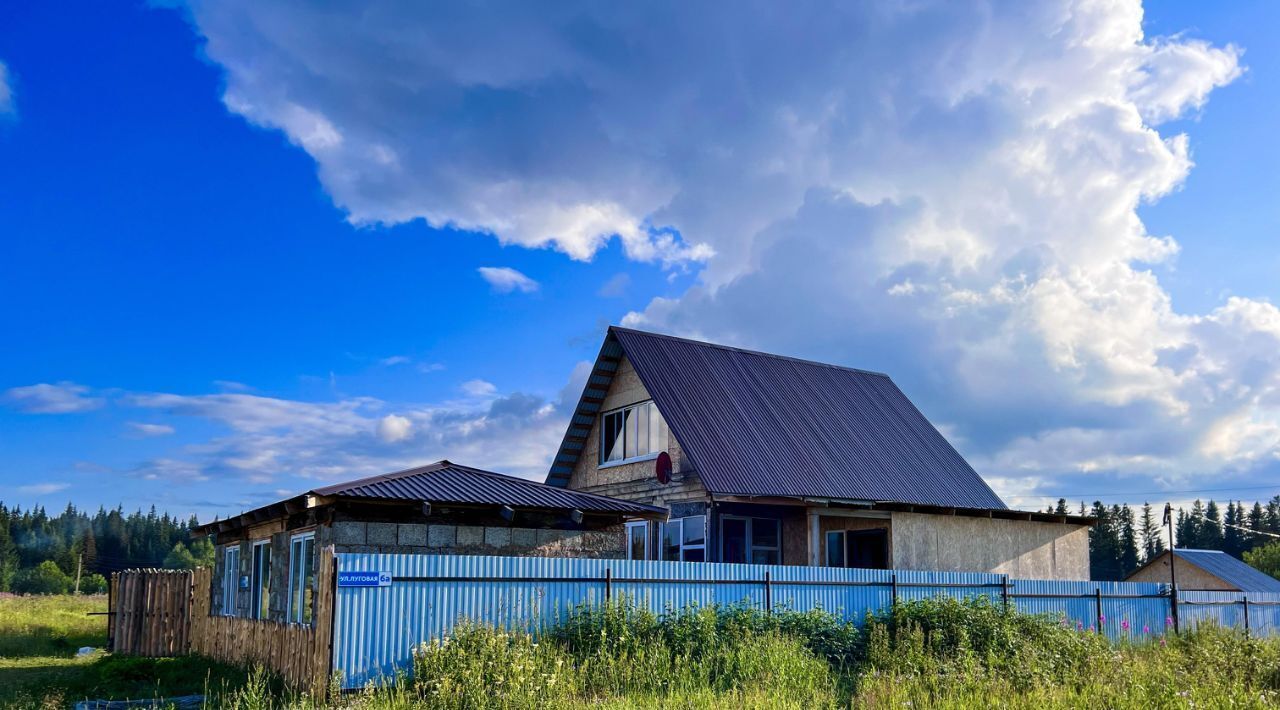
[662,468]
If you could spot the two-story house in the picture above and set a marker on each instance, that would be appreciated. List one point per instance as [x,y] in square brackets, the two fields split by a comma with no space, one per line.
[769,459]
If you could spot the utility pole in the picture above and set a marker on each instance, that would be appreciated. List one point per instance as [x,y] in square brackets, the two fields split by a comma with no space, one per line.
[1173,567]
[79,565]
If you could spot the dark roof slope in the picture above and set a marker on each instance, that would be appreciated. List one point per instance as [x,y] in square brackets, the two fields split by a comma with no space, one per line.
[1230,570]
[447,482]
[766,425]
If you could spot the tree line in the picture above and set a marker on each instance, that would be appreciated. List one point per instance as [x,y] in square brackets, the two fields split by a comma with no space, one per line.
[70,551]
[1124,539]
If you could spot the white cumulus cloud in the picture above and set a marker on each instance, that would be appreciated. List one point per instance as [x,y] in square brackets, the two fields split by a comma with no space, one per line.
[393,428]
[949,188]
[504,279]
[58,398]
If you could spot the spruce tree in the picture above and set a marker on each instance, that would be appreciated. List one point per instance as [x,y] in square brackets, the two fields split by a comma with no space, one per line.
[1128,542]
[1211,528]
[1149,534]
[1232,542]
[1257,523]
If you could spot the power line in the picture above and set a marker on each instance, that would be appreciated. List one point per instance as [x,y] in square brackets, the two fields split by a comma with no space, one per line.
[1143,493]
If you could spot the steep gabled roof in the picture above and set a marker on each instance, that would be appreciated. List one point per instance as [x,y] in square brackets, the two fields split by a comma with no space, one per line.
[757,424]
[1230,570]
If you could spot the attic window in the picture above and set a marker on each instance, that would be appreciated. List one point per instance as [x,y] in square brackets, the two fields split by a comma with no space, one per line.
[631,432]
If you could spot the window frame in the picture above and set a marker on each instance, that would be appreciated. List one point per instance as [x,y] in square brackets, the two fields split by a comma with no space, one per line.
[230,579]
[260,580]
[680,523]
[655,441]
[843,536]
[838,536]
[750,539]
[297,581]
[643,527]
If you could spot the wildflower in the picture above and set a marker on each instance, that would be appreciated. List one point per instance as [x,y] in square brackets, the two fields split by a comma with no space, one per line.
[1079,626]
[1102,619]
[1168,621]
[1124,624]
[1146,629]
[1162,641]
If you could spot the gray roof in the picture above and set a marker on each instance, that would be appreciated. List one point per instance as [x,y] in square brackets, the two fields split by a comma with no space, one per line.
[1230,570]
[447,482]
[757,424]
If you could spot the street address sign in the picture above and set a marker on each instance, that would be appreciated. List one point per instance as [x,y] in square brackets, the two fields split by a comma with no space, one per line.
[364,579]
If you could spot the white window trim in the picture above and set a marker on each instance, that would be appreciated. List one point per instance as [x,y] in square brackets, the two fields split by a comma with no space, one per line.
[256,582]
[230,579]
[751,546]
[643,525]
[293,576]
[663,437]
[662,543]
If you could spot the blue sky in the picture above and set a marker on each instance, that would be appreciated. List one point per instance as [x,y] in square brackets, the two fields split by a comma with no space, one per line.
[223,284]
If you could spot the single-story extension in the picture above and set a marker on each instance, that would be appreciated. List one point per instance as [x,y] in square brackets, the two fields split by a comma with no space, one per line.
[771,459]
[265,568]
[1206,570]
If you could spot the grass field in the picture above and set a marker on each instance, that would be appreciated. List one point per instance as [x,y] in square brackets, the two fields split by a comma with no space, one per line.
[932,654]
[39,637]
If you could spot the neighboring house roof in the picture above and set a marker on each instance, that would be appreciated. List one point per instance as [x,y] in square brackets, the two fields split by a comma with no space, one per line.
[448,483]
[756,424]
[1230,570]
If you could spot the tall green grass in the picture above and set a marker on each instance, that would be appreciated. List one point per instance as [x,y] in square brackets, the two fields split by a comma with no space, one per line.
[53,625]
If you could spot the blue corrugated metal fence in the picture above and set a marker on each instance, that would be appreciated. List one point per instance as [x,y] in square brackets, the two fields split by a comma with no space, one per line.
[377,628]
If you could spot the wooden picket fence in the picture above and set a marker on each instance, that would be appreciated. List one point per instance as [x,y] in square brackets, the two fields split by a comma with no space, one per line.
[167,613]
[150,609]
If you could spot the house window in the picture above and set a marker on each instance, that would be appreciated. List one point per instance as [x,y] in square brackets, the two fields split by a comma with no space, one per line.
[302,578]
[230,578]
[835,549]
[864,549]
[685,539]
[638,541]
[632,432]
[752,540]
[261,584]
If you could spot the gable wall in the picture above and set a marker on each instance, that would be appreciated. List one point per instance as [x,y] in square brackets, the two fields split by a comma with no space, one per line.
[1189,575]
[633,481]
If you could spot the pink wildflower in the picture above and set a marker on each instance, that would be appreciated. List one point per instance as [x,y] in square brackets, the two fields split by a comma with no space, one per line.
[1124,624]
[1146,629]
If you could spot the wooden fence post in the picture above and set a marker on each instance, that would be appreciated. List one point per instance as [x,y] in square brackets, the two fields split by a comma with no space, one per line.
[608,583]
[1246,615]
[1097,599]
[1004,592]
[893,589]
[768,593]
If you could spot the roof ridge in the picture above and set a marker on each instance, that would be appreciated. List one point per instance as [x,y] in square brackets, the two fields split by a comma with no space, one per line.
[381,477]
[747,351]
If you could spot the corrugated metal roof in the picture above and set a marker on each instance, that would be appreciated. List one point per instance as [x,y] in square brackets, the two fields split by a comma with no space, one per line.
[766,425]
[1230,570]
[447,482]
